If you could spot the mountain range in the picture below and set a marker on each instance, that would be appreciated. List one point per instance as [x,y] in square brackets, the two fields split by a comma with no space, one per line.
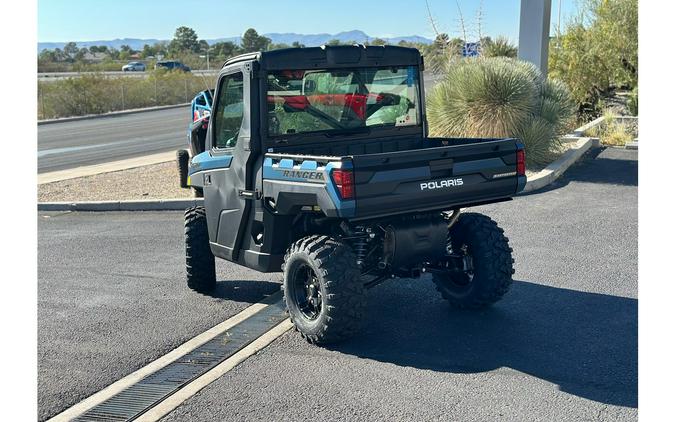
[310,40]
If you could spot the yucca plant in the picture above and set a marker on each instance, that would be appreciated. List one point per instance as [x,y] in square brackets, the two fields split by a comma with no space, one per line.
[501,97]
[499,47]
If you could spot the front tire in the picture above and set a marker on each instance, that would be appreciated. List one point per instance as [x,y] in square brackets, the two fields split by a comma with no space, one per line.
[322,289]
[200,264]
[490,277]
[182,160]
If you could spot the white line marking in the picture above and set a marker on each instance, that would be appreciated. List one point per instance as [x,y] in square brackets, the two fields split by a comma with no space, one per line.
[172,402]
[55,151]
[161,362]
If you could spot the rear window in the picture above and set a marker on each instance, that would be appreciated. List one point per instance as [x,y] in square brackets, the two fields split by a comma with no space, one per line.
[304,101]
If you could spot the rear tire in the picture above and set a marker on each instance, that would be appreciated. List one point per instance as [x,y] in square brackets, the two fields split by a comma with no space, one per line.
[490,254]
[322,289]
[182,159]
[200,264]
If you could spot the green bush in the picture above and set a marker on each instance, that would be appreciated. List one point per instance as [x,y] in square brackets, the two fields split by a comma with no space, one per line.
[501,97]
[614,130]
[633,102]
[97,93]
[499,47]
[597,51]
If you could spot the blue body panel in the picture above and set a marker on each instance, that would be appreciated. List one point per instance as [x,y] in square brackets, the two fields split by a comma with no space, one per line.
[275,171]
[207,161]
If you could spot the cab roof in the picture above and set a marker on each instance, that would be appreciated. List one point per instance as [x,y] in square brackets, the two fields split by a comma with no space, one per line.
[338,56]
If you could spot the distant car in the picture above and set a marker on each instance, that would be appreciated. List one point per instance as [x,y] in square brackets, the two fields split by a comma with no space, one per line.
[133,67]
[172,65]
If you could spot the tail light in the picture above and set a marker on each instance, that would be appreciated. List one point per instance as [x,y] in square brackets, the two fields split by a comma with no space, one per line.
[344,181]
[520,162]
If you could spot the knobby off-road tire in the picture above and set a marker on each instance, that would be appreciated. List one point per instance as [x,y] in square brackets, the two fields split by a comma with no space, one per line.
[200,264]
[493,269]
[183,160]
[337,280]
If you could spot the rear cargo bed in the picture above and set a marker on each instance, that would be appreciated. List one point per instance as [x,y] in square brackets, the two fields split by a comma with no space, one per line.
[396,176]
[436,177]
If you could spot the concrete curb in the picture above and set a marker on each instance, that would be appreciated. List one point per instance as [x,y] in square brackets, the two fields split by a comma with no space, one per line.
[129,163]
[556,169]
[111,114]
[141,205]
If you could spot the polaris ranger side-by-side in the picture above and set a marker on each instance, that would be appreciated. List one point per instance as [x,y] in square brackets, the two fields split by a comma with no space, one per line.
[317,162]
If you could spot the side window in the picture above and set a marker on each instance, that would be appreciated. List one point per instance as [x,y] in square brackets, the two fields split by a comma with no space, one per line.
[229,111]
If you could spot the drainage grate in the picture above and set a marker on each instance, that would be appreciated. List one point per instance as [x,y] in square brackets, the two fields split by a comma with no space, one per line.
[132,402]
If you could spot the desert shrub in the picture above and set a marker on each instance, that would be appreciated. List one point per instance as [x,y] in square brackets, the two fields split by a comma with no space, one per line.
[597,51]
[632,102]
[97,93]
[614,130]
[499,47]
[501,97]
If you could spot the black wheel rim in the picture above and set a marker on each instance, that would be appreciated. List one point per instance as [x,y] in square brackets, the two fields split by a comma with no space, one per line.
[307,291]
[461,280]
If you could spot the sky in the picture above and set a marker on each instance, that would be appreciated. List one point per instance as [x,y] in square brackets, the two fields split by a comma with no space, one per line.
[87,20]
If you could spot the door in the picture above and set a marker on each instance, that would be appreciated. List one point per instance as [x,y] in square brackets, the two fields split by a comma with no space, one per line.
[225,181]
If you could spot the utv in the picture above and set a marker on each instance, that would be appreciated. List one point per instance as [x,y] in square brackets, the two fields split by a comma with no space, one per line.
[317,163]
[200,108]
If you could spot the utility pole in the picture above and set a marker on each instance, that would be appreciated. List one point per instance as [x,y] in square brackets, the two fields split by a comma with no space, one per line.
[533,39]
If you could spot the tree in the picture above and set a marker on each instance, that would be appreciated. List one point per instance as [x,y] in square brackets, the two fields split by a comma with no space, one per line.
[297,44]
[81,53]
[71,50]
[147,51]
[48,56]
[378,41]
[184,39]
[278,46]
[225,49]
[251,41]
[203,46]
[334,41]
[161,47]
[114,53]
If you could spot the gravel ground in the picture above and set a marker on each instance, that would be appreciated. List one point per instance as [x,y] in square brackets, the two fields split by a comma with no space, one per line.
[158,181]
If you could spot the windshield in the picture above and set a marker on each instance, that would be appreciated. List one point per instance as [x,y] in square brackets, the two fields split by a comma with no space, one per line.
[304,101]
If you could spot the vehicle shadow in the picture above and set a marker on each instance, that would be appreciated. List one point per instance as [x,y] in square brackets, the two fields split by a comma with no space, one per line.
[599,165]
[586,343]
[247,291]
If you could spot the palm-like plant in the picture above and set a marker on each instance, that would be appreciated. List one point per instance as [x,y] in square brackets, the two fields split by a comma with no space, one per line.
[500,97]
[499,47]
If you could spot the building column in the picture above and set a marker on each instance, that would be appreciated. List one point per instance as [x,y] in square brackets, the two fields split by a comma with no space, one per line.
[533,38]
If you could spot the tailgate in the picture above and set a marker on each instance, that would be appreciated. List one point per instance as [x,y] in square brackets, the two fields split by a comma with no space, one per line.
[441,177]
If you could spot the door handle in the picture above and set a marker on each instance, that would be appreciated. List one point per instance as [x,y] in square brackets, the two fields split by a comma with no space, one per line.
[249,194]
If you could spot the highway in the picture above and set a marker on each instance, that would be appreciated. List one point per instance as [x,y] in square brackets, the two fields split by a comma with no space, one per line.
[67,145]
[561,345]
[84,142]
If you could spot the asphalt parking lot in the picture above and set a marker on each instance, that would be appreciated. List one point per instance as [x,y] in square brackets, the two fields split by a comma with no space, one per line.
[562,345]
